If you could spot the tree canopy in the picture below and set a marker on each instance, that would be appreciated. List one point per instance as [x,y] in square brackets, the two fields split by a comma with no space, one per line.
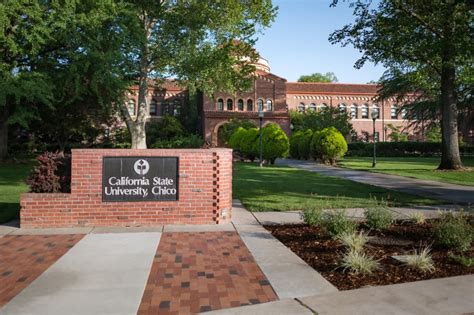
[327,77]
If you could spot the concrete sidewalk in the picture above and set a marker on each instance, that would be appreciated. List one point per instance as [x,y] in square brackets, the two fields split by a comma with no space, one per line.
[443,191]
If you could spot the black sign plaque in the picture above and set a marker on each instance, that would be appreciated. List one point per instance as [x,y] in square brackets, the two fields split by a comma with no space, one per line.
[140,178]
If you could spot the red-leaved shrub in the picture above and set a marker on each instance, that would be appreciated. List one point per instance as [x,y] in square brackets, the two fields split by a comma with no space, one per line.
[51,174]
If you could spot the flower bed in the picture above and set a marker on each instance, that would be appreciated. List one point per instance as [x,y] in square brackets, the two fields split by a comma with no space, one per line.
[325,254]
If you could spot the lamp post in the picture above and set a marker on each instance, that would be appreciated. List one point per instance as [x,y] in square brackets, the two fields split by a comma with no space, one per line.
[260,117]
[374,118]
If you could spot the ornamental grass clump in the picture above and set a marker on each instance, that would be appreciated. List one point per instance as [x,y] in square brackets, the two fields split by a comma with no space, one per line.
[359,263]
[313,216]
[454,231]
[421,260]
[353,241]
[336,223]
[378,217]
[417,217]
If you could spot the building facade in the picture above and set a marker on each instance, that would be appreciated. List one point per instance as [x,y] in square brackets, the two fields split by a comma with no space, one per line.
[276,98]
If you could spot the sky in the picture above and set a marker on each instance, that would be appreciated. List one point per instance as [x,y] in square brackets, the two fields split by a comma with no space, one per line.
[297,42]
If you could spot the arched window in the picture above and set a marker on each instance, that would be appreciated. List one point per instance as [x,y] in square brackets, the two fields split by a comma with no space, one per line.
[365,111]
[301,108]
[342,108]
[153,108]
[312,107]
[230,104]
[354,111]
[393,111]
[131,107]
[250,105]
[376,111]
[240,104]
[220,104]
[405,113]
[269,105]
[260,105]
[323,106]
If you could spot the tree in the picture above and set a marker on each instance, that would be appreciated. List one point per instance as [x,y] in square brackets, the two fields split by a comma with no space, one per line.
[328,117]
[426,47]
[319,77]
[205,45]
[396,133]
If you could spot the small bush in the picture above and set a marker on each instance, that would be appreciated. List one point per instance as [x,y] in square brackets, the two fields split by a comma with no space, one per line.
[294,143]
[328,145]
[313,216]
[359,263]
[275,143]
[249,143]
[190,141]
[462,260]
[236,138]
[336,223]
[353,241]
[229,128]
[52,173]
[421,260]
[417,217]
[378,217]
[454,231]
[304,145]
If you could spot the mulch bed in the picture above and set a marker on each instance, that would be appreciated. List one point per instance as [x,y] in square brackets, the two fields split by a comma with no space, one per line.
[325,254]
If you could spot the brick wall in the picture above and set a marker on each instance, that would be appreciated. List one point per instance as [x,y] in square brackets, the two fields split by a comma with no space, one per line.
[205,193]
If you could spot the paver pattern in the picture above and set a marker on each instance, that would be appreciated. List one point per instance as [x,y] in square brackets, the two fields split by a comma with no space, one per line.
[25,257]
[199,272]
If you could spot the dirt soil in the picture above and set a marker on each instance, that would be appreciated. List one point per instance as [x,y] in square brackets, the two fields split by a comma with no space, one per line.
[325,254]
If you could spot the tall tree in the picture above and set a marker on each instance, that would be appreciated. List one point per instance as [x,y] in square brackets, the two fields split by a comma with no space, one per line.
[426,47]
[319,77]
[203,44]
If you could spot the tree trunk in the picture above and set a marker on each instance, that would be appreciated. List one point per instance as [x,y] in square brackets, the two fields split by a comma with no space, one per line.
[450,158]
[4,134]
[137,132]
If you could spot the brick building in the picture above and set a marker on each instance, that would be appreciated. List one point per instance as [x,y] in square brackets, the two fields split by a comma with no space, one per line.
[277,97]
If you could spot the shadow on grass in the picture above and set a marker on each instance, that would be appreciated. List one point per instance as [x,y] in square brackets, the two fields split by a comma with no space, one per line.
[9,211]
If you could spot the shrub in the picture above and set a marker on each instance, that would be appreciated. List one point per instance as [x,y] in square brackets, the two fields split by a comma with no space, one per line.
[249,143]
[378,217]
[421,260]
[417,217]
[328,145]
[462,260]
[313,216]
[336,223]
[403,149]
[294,143]
[228,129]
[236,138]
[359,263]
[454,231]
[190,141]
[275,143]
[304,145]
[52,173]
[353,241]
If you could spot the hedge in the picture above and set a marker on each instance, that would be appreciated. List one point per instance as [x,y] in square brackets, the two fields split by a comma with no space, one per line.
[399,149]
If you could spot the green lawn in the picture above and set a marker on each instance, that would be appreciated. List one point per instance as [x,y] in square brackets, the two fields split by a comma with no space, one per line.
[276,188]
[12,184]
[419,167]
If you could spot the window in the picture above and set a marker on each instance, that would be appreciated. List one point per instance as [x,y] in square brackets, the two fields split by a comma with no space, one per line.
[131,107]
[393,112]
[240,104]
[376,111]
[250,105]
[153,108]
[354,111]
[353,136]
[312,107]
[323,106]
[220,104]
[301,108]
[365,111]
[176,108]
[342,107]
[404,113]
[230,104]
[260,105]
[269,105]
[376,136]
[365,136]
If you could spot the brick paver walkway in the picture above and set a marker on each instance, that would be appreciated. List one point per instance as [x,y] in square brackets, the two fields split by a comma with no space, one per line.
[24,258]
[198,272]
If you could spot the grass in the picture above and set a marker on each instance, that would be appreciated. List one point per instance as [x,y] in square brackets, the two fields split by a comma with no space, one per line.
[278,188]
[417,167]
[12,184]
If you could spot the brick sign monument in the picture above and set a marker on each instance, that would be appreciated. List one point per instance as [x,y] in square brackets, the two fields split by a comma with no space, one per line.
[126,187]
